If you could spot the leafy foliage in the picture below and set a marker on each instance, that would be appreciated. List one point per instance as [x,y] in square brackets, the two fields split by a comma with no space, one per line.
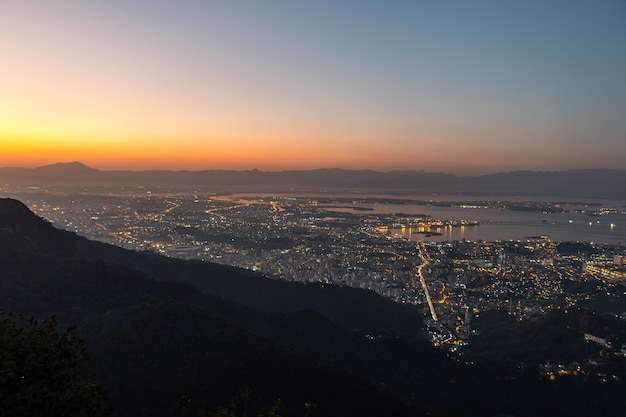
[39,373]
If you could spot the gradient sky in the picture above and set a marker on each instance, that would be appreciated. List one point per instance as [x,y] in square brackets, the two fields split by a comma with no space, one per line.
[465,87]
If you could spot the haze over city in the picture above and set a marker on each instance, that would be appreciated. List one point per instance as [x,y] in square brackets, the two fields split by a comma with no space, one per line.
[461,87]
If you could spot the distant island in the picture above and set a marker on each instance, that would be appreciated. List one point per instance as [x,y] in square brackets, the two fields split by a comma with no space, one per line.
[584,183]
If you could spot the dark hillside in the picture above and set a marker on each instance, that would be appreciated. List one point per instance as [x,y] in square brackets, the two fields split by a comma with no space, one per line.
[557,338]
[154,341]
[368,311]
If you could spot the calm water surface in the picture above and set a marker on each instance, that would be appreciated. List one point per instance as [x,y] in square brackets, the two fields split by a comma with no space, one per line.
[500,224]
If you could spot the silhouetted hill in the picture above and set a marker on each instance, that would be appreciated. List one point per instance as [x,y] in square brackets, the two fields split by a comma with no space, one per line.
[368,311]
[153,340]
[65,169]
[72,172]
[557,337]
[591,183]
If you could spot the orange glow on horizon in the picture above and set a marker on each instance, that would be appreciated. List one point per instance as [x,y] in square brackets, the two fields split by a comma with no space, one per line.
[133,157]
[226,88]
[231,152]
[142,140]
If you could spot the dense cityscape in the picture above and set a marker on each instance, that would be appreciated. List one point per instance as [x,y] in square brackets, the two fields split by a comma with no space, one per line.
[317,239]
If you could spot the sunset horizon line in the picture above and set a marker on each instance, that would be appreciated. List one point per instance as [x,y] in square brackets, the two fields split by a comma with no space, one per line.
[321,168]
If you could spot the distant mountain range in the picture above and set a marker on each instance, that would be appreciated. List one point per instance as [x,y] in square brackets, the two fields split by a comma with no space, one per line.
[584,183]
[157,328]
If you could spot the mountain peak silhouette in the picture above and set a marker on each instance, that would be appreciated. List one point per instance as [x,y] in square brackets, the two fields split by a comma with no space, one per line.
[14,212]
[22,232]
[65,167]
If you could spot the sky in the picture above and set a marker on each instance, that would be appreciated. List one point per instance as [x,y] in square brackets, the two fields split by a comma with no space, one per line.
[463,87]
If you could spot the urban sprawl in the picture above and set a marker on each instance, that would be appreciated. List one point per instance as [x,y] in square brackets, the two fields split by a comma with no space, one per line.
[315,239]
